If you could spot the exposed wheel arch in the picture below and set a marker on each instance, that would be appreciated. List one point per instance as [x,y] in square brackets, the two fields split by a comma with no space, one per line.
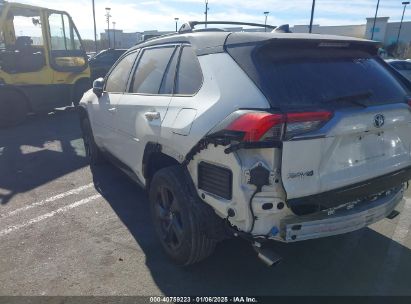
[154,160]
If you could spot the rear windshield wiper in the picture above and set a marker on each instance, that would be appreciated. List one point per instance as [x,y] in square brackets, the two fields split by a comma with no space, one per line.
[354,98]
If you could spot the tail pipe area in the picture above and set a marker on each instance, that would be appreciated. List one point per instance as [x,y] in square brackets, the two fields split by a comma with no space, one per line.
[266,255]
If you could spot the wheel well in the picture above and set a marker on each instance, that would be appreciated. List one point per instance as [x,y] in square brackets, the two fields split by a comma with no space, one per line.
[154,160]
[82,112]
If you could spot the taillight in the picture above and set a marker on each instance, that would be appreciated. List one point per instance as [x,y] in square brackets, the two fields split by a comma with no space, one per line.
[256,124]
[262,126]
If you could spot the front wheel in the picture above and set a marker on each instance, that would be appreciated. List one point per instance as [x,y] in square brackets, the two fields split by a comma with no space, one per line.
[92,150]
[177,219]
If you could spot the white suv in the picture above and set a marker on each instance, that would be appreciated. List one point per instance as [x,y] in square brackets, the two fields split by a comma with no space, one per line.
[265,136]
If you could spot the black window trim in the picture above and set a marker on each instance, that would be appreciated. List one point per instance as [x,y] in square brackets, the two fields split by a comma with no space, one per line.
[115,65]
[177,48]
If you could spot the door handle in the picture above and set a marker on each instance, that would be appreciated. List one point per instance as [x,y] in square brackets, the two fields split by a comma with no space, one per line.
[152,115]
[112,110]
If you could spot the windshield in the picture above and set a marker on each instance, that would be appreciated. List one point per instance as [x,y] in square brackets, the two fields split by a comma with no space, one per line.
[312,77]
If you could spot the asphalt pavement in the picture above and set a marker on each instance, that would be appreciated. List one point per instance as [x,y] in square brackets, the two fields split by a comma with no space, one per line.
[68,230]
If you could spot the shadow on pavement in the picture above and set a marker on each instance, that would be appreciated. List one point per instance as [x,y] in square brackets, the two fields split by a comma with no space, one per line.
[360,263]
[42,149]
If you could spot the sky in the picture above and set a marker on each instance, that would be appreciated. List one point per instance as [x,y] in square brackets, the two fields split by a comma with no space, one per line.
[140,15]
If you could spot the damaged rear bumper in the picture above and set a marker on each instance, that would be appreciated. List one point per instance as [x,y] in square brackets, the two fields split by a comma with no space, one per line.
[339,220]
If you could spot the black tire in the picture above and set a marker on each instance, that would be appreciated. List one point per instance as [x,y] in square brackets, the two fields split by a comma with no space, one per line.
[13,108]
[79,89]
[92,150]
[177,217]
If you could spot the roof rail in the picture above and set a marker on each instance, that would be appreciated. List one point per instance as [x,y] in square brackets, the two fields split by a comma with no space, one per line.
[188,27]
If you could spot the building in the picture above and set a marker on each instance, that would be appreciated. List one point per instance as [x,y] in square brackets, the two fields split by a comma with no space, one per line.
[385,31]
[343,30]
[121,40]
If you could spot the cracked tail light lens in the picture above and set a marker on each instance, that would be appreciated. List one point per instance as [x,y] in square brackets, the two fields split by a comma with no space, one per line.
[300,123]
[263,126]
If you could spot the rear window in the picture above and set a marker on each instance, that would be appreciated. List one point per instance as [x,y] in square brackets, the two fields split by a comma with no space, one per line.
[312,77]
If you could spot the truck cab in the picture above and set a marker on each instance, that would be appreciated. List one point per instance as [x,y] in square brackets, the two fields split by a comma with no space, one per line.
[43,64]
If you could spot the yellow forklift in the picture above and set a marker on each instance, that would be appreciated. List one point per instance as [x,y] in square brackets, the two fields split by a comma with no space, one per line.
[43,64]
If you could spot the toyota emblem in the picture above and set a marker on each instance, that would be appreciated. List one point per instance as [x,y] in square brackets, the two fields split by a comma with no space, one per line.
[379,120]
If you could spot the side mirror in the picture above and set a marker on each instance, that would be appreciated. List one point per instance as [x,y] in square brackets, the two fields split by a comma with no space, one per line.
[98,86]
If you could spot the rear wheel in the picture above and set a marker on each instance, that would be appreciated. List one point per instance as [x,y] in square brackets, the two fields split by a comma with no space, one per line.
[177,218]
[13,108]
[92,150]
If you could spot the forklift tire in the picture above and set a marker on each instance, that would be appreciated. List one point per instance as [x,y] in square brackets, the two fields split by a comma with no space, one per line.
[81,86]
[13,108]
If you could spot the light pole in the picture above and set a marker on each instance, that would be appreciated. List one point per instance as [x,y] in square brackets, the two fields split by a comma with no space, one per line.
[312,17]
[176,20]
[405,3]
[265,22]
[108,24]
[114,34]
[95,28]
[375,18]
[206,12]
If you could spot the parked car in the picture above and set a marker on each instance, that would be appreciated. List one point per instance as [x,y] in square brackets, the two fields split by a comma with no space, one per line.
[402,66]
[91,55]
[264,136]
[101,63]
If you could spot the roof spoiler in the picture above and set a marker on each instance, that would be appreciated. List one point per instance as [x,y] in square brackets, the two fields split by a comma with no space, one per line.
[189,26]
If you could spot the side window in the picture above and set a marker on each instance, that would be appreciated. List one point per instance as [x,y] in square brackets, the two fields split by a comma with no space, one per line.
[27,27]
[117,80]
[63,34]
[150,70]
[189,75]
[167,85]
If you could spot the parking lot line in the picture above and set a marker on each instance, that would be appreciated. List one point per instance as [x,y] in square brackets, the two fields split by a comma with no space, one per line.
[48,200]
[48,215]
[404,223]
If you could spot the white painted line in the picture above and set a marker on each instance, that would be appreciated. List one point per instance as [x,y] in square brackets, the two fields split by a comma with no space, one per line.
[48,215]
[404,223]
[48,200]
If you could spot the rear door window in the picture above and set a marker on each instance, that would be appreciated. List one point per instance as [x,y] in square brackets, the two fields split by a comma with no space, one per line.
[167,86]
[150,70]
